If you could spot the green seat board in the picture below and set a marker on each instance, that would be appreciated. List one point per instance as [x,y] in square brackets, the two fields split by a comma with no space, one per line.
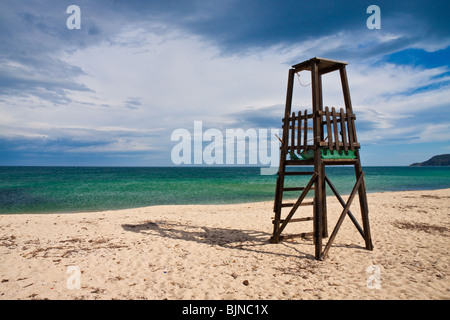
[325,154]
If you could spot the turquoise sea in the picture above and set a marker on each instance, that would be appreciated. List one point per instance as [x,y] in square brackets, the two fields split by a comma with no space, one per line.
[74,189]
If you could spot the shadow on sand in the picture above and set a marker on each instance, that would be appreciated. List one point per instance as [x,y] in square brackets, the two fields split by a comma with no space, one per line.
[247,240]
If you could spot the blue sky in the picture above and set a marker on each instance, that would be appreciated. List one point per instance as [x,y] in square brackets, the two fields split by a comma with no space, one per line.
[113,92]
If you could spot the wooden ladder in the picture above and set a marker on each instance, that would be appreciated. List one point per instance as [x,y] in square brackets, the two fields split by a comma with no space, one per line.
[279,223]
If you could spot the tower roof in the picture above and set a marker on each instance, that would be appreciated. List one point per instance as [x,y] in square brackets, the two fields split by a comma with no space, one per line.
[325,65]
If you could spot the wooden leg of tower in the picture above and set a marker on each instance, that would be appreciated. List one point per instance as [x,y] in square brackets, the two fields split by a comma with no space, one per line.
[283,154]
[322,166]
[318,215]
[358,169]
[324,205]
[318,163]
[364,206]
[277,211]
[278,199]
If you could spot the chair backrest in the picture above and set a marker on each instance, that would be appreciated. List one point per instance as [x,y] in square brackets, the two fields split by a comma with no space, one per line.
[337,131]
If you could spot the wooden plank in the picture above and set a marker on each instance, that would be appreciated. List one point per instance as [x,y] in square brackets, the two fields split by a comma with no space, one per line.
[297,220]
[322,113]
[299,132]
[299,235]
[319,88]
[345,89]
[343,130]
[305,65]
[341,218]
[309,162]
[289,93]
[277,190]
[285,138]
[329,69]
[363,203]
[294,189]
[302,219]
[325,144]
[348,104]
[298,173]
[305,132]
[280,182]
[339,162]
[318,197]
[324,65]
[329,133]
[350,131]
[351,124]
[278,196]
[287,110]
[324,203]
[293,133]
[342,202]
[336,131]
[287,205]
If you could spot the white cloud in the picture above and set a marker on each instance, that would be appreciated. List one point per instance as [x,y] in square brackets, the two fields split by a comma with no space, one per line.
[435,133]
[144,85]
[389,82]
[390,101]
[177,78]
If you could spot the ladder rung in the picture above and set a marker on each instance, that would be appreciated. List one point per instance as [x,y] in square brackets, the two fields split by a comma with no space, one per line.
[291,236]
[296,189]
[296,220]
[302,204]
[298,173]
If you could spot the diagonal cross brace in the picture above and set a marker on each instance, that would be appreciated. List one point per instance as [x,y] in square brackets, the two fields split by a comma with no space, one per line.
[341,218]
[342,202]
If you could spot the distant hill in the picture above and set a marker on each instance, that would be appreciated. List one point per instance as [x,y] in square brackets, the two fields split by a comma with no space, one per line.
[442,160]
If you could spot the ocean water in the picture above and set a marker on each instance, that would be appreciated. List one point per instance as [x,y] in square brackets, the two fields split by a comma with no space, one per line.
[75,189]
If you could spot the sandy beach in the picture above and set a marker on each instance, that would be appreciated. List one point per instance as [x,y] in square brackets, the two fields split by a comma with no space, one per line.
[223,252]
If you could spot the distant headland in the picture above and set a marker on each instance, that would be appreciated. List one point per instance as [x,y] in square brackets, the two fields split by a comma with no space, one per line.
[442,160]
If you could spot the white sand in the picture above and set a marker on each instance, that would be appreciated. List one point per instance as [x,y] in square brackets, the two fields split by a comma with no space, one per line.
[210,251]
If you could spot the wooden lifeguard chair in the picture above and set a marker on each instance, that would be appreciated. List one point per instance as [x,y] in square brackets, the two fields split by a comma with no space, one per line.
[333,142]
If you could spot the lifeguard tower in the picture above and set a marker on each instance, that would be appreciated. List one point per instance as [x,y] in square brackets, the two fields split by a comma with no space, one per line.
[319,137]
